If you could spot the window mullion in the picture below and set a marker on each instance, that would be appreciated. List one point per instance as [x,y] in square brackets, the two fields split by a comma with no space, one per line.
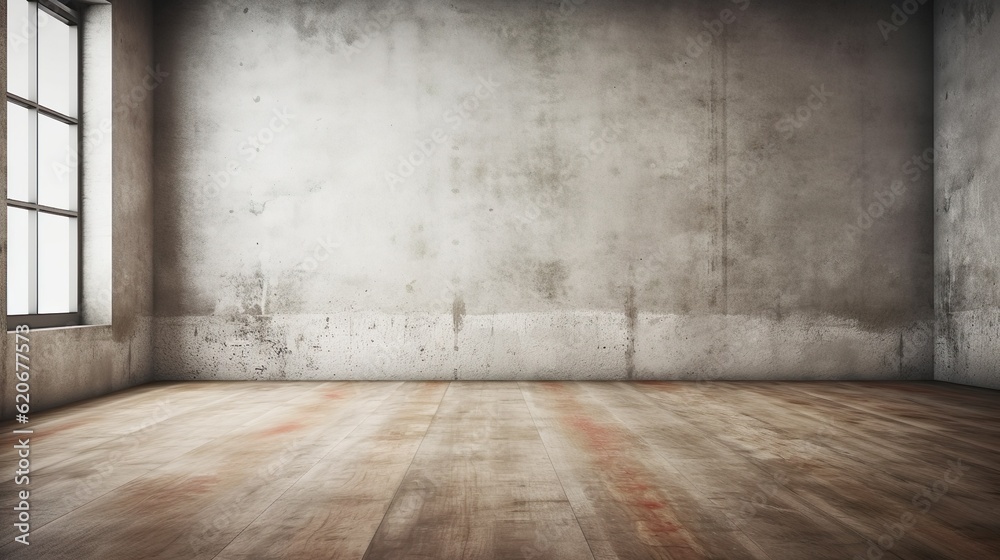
[33,262]
[33,54]
[33,174]
[33,156]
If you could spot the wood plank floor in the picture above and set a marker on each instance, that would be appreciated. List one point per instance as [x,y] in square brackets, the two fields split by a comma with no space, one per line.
[529,470]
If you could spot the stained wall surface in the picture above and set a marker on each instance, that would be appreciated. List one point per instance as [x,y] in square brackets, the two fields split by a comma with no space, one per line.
[967,198]
[528,189]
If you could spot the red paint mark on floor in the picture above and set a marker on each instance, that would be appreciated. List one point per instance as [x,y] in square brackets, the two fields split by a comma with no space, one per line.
[597,435]
[333,394]
[285,428]
[51,431]
[627,478]
[554,386]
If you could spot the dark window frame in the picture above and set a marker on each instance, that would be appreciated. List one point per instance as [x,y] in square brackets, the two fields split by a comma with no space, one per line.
[71,17]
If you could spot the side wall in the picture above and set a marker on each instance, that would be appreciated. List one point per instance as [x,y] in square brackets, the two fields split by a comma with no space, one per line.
[967,184]
[76,363]
[6,387]
[591,189]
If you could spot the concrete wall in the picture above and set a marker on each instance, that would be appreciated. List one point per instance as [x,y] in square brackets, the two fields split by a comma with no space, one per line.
[7,386]
[76,363]
[967,206]
[473,189]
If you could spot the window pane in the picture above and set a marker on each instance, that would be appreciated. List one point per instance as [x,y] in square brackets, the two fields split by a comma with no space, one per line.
[56,64]
[57,165]
[20,34]
[18,261]
[56,264]
[18,154]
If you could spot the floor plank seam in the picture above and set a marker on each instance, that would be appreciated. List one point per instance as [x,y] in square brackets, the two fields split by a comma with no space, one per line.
[402,479]
[554,470]
[306,471]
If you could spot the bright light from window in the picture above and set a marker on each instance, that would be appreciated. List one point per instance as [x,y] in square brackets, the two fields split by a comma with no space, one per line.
[56,166]
[56,71]
[42,165]
[18,155]
[20,35]
[56,263]
[18,261]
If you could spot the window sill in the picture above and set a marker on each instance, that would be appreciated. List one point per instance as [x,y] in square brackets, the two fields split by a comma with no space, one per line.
[65,328]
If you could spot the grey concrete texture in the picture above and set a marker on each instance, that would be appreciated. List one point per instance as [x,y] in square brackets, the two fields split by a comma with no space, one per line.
[7,385]
[431,189]
[967,198]
[82,362]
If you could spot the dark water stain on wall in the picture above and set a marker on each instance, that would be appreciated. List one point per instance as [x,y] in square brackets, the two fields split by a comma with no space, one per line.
[631,314]
[306,16]
[458,313]
[550,280]
[977,14]
[457,317]
[249,291]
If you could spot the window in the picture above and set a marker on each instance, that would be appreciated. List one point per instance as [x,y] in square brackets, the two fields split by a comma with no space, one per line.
[43,219]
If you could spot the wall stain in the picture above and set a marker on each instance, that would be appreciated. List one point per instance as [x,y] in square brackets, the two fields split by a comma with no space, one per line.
[457,316]
[550,280]
[458,312]
[631,314]
[544,55]
[720,159]
[978,14]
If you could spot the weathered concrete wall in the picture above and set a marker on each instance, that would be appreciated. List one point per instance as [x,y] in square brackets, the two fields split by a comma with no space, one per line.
[97,167]
[967,185]
[6,385]
[76,363]
[474,189]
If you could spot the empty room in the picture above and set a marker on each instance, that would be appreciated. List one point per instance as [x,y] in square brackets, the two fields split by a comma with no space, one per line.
[500,279]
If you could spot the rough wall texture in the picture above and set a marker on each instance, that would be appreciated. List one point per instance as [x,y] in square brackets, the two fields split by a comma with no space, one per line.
[967,205]
[6,384]
[81,362]
[475,189]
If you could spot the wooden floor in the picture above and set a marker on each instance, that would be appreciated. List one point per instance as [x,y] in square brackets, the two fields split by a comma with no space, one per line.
[438,470]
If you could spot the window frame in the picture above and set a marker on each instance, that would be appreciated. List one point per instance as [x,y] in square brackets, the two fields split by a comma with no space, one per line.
[70,17]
